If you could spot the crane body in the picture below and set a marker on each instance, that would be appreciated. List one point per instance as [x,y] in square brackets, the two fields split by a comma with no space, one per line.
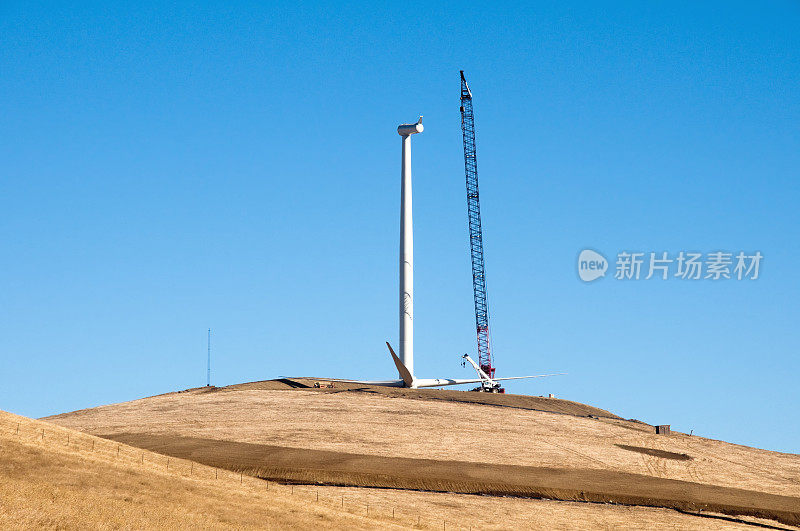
[485,362]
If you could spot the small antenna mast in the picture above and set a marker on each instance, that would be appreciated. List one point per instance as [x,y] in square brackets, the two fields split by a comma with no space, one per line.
[208,372]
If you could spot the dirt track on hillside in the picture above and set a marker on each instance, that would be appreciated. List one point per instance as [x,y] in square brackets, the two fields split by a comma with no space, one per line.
[339,468]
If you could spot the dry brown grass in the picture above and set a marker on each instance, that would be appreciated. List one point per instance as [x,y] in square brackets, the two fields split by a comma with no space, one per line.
[364,423]
[52,477]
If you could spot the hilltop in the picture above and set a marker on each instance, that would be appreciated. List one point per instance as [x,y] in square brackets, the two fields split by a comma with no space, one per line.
[288,431]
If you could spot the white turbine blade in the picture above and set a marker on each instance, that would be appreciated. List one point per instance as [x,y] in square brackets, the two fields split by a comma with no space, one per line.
[535,376]
[441,382]
[377,383]
[405,374]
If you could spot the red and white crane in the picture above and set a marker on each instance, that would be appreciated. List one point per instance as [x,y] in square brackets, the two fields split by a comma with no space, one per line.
[485,363]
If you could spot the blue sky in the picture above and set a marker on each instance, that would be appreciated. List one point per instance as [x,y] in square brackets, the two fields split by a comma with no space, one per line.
[169,169]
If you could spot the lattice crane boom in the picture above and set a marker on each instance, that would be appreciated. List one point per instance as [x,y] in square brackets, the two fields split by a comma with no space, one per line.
[475,233]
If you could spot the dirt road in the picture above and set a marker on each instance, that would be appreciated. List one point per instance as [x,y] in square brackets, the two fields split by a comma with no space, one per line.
[338,468]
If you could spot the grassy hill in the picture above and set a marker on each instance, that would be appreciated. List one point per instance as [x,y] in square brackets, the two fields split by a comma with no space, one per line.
[53,477]
[454,442]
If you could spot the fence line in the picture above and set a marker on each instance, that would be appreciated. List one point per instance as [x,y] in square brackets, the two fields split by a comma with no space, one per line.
[135,456]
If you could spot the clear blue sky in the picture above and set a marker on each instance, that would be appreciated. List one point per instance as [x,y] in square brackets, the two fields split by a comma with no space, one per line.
[169,169]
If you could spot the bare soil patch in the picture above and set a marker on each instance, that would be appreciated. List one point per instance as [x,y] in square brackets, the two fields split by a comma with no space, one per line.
[656,452]
[338,468]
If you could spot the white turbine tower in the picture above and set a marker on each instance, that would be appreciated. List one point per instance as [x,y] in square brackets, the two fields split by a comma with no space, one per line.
[407,248]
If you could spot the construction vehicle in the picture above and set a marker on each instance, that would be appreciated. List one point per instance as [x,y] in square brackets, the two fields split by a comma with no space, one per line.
[488,385]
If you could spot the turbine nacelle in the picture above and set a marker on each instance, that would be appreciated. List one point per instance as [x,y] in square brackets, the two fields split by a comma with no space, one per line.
[410,129]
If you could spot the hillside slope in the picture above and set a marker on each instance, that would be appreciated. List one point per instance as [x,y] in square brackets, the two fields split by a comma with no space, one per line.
[60,478]
[53,477]
[545,439]
[392,426]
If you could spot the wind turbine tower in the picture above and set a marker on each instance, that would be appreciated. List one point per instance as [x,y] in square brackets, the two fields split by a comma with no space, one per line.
[407,248]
